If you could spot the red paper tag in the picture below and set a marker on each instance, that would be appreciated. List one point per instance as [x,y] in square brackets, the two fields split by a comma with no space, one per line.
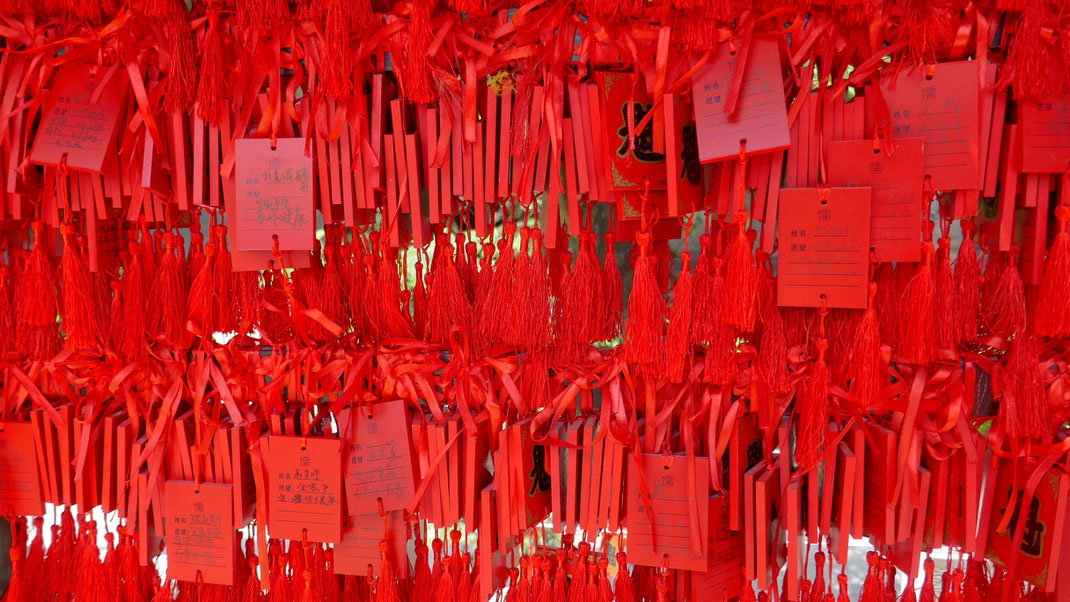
[878,511]
[746,452]
[20,485]
[843,503]
[760,117]
[200,532]
[75,125]
[379,459]
[1045,522]
[944,109]
[660,518]
[1045,128]
[906,554]
[305,476]
[635,166]
[274,195]
[824,247]
[767,522]
[896,185]
[359,547]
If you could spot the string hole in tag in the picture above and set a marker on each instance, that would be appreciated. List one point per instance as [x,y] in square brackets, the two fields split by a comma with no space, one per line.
[824,201]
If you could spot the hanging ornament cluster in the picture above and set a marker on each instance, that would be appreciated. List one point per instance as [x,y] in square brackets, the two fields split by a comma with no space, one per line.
[333,300]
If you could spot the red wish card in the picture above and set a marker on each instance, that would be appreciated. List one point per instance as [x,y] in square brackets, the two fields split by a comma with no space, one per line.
[1045,128]
[666,524]
[878,510]
[760,117]
[824,247]
[20,486]
[943,108]
[360,544]
[896,184]
[80,117]
[634,163]
[200,532]
[1041,520]
[305,481]
[379,457]
[843,503]
[274,194]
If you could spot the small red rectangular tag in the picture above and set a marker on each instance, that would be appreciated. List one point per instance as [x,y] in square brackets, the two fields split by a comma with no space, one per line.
[760,117]
[896,184]
[76,125]
[1045,129]
[767,522]
[379,458]
[662,512]
[200,532]
[878,510]
[942,107]
[359,547]
[305,476]
[273,195]
[824,247]
[20,485]
[843,503]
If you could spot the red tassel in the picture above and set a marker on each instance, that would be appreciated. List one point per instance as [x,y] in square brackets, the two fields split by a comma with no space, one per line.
[678,337]
[394,321]
[536,315]
[560,589]
[928,591]
[842,579]
[199,304]
[415,75]
[167,311]
[613,292]
[887,303]
[944,295]
[812,407]
[332,302]
[1052,309]
[872,587]
[448,305]
[1037,62]
[864,372]
[917,338]
[354,276]
[129,332]
[1023,408]
[89,573]
[582,308]
[341,20]
[80,322]
[35,301]
[773,353]
[1006,307]
[967,285]
[720,361]
[817,590]
[741,279]
[498,308]
[212,82]
[642,344]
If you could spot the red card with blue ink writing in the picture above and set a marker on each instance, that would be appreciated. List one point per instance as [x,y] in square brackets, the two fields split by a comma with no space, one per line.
[378,457]
[20,485]
[760,117]
[80,117]
[824,247]
[273,195]
[895,181]
[305,488]
[200,532]
[943,107]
